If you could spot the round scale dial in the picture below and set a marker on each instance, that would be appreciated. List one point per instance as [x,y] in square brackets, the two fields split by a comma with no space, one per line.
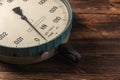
[28,23]
[29,28]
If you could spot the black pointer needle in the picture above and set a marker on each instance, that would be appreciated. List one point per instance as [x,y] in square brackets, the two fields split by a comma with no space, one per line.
[18,11]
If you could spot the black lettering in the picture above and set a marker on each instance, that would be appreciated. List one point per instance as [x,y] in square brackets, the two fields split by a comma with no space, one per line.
[41,2]
[3,35]
[53,9]
[18,40]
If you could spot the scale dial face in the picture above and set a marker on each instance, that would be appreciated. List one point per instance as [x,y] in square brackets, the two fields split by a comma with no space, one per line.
[28,23]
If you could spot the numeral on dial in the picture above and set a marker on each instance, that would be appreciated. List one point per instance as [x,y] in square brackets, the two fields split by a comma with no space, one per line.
[10,1]
[57,19]
[3,35]
[18,40]
[53,9]
[41,2]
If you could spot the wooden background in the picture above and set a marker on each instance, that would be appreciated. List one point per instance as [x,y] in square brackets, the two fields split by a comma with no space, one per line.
[95,34]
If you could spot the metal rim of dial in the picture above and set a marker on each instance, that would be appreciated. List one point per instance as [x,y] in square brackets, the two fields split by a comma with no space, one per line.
[37,50]
[32,59]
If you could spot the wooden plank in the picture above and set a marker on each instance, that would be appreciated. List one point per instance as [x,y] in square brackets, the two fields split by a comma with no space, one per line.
[29,76]
[103,21]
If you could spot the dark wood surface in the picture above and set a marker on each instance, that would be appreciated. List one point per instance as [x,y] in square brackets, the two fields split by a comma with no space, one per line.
[96,36]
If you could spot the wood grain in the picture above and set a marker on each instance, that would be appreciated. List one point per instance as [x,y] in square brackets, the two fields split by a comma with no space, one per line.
[96,36]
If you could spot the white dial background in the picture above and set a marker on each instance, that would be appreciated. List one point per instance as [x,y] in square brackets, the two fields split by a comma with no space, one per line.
[15,32]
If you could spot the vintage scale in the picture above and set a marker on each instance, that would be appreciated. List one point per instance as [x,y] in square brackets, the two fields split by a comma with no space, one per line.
[32,30]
